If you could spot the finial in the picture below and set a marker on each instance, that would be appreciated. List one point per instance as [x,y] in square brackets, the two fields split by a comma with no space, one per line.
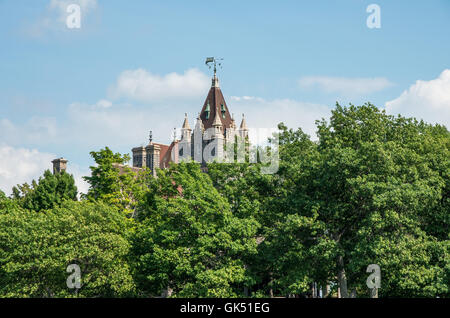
[215,61]
[174,134]
[150,136]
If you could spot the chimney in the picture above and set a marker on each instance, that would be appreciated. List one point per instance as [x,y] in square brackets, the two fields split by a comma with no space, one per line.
[59,165]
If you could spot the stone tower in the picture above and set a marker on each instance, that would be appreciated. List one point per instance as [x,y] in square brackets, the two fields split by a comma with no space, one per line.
[149,156]
[59,165]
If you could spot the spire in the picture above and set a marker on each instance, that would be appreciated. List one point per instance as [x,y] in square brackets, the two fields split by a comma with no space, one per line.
[215,61]
[215,81]
[186,123]
[243,124]
[174,134]
[186,129]
[217,122]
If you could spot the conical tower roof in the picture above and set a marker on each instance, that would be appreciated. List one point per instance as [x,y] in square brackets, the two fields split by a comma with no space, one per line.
[243,124]
[186,123]
[217,105]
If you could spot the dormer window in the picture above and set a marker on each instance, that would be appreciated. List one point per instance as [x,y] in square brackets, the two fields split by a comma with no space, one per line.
[222,108]
[207,111]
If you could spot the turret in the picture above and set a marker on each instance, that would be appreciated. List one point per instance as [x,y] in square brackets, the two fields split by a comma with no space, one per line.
[217,124]
[184,147]
[197,140]
[214,147]
[186,129]
[243,130]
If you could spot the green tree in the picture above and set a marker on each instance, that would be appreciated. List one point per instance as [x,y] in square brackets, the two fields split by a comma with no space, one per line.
[189,243]
[373,189]
[296,250]
[50,191]
[36,248]
[4,201]
[115,183]
[379,184]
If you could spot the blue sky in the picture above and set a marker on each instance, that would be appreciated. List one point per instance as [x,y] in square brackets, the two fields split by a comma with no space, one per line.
[65,92]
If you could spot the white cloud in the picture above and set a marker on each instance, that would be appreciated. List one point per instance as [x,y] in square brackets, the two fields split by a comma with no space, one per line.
[91,126]
[36,130]
[261,113]
[103,103]
[20,165]
[344,85]
[245,98]
[143,86]
[427,100]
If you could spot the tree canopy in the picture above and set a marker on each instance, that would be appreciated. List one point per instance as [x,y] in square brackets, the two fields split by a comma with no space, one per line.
[372,189]
[36,248]
[49,192]
[189,243]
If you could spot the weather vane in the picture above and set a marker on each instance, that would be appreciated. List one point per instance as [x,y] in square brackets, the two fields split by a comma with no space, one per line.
[150,136]
[214,60]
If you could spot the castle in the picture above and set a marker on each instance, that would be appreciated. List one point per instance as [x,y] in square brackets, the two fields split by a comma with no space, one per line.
[215,128]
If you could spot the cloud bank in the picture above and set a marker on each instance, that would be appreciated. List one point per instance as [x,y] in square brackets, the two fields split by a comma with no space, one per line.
[427,100]
[261,113]
[344,85]
[20,165]
[141,85]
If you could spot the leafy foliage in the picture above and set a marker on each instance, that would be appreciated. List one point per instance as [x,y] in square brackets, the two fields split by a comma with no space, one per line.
[36,248]
[373,189]
[49,192]
[113,182]
[189,242]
